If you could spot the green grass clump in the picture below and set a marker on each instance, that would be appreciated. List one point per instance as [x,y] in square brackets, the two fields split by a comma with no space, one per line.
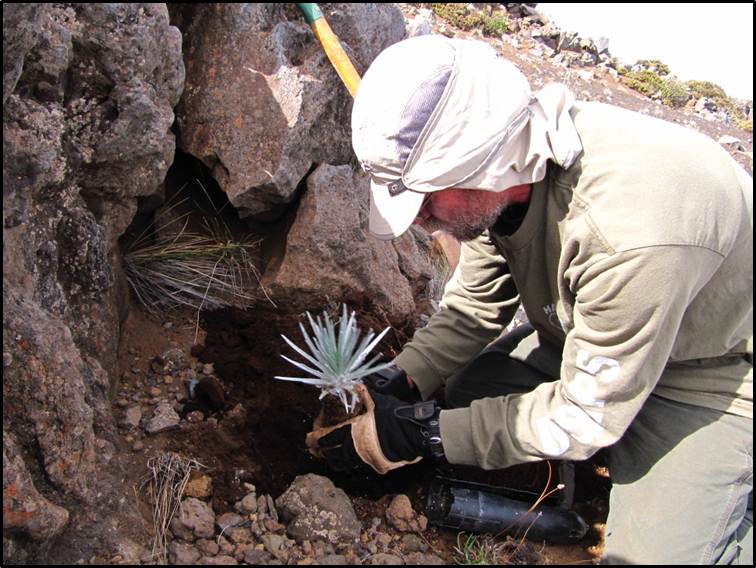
[476,550]
[717,95]
[670,91]
[486,549]
[647,82]
[674,93]
[496,25]
[653,65]
[459,16]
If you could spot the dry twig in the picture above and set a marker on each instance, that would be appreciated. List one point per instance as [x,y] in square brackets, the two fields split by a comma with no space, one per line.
[165,485]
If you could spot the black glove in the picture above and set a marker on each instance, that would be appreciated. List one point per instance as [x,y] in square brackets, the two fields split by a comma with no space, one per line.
[391,434]
[392,381]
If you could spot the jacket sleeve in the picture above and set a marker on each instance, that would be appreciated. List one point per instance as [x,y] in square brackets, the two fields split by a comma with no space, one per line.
[478,302]
[628,309]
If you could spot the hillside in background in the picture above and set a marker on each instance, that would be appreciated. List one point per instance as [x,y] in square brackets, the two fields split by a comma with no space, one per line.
[545,53]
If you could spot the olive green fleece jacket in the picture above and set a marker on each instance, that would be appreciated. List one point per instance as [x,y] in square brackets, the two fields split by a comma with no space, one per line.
[637,261]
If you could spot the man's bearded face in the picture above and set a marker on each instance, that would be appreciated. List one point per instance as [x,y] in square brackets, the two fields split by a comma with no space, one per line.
[463,213]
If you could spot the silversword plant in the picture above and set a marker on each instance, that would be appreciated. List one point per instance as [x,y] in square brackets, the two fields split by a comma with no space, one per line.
[337,359]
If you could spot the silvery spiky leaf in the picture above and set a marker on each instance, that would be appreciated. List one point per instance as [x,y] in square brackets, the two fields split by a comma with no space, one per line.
[336,361]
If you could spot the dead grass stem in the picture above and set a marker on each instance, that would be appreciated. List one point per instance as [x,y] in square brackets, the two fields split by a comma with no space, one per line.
[165,483]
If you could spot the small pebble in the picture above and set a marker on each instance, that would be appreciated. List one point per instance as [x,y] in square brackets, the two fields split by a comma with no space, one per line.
[195,416]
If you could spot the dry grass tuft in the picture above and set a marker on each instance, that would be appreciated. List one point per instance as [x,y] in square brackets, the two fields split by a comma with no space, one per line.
[165,484]
[168,265]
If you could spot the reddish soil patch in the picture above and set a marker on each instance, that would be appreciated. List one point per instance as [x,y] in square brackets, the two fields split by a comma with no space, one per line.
[245,351]
[262,441]
[267,448]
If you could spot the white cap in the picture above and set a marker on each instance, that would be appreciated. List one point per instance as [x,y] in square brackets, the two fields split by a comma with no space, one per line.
[422,122]
[433,113]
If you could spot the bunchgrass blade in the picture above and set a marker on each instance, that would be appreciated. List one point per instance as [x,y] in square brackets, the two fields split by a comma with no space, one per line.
[168,265]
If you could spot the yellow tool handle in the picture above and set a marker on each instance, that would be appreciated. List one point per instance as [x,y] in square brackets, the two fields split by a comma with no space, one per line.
[331,45]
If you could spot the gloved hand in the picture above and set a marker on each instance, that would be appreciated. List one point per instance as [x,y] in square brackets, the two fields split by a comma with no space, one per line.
[390,434]
[392,381]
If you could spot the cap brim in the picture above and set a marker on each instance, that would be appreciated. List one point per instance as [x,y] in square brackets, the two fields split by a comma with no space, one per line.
[391,215]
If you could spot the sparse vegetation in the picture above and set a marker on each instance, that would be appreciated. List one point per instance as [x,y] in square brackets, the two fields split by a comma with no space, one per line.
[747,122]
[741,115]
[164,486]
[651,78]
[457,15]
[716,95]
[168,265]
[619,66]
[496,25]
[653,65]
[466,18]
[474,550]
[670,91]
[674,93]
[706,89]
[645,81]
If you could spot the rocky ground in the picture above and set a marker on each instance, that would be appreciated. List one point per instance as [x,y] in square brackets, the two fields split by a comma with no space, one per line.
[242,504]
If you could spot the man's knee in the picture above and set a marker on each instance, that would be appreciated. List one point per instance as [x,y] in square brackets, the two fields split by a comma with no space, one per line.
[455,396]
[682,474]
[491,374]
[478,379]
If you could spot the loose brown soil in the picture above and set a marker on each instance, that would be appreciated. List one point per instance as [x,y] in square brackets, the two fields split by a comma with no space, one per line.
[262,441]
